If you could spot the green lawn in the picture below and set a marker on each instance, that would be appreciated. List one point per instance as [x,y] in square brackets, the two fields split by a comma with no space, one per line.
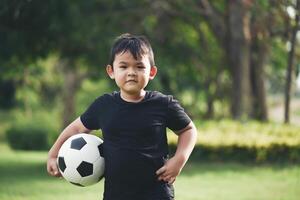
[23,177]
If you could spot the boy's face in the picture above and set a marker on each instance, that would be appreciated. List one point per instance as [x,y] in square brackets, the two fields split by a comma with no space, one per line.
[131,75]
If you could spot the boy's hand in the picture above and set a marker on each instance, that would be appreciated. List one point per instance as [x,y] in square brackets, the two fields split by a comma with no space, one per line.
[52,167]
[170,170]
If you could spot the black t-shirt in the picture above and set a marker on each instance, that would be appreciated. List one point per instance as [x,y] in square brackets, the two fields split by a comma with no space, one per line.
[135,142]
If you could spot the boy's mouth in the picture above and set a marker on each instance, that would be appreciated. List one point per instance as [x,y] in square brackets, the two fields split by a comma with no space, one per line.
[131,81]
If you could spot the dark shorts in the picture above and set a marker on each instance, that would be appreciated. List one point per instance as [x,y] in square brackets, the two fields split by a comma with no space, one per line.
[162,191]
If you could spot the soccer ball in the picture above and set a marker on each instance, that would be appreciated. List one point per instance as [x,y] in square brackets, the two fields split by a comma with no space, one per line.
[80,159]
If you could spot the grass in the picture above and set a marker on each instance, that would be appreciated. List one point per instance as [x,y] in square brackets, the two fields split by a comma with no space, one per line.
[234,181]
[23,177]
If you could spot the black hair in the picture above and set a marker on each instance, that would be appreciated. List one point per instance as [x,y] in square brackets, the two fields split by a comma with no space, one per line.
[137,45]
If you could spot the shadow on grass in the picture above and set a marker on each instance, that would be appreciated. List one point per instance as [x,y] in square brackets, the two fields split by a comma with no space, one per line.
[14,171]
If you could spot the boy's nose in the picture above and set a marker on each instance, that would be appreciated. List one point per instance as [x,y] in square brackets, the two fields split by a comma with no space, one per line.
[131,72]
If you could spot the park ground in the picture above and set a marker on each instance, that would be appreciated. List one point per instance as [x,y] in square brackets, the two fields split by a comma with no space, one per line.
[23,176]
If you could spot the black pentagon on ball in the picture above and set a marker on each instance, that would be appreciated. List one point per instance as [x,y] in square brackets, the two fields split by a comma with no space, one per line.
[85,169]
[61,164]
[78,143]
[100,147]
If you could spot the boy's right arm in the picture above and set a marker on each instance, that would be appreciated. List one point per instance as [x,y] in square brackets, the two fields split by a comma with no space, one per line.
[74,128]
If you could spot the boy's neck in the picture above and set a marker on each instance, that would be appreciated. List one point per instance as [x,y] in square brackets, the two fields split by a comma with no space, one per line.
[133,97]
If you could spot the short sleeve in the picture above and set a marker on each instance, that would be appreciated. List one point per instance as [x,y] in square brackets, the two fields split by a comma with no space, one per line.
[177,119]
[91,118]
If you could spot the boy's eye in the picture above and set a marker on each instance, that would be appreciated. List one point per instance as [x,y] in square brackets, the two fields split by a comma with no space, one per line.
[123,67]
[141,67]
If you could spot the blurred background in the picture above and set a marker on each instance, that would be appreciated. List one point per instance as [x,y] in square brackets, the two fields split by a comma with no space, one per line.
[233,64]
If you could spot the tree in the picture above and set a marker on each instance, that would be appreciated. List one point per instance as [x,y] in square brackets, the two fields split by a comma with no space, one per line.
[229,23]
[21,31]
[244,29]
[290,75]
[79,32]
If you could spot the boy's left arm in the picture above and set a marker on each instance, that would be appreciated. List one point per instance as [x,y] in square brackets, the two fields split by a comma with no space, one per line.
[186,141]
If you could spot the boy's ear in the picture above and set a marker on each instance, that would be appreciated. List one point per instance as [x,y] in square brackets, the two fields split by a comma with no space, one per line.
[153,72]
[110,71]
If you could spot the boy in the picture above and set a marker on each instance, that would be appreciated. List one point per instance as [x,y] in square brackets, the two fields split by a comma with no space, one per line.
[133,122]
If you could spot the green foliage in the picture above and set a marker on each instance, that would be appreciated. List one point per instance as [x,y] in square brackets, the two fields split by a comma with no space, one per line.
[276,71]
[89,91]
[31,136]
[7,94]
[275,153]
[252,133]
[32,131]
[227,140]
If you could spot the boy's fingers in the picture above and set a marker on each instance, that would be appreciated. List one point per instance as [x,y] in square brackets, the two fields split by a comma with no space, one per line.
[167,178]
[56,171]
[161,170]
[57,174]
[172,180]
[164,177]
[53,171]
[50,170]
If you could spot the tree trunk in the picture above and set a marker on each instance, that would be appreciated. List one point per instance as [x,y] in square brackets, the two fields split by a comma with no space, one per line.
[290,75]
[70,87]
[258,58]
[238,54]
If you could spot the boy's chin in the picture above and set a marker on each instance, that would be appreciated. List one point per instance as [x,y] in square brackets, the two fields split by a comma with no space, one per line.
[133,91]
